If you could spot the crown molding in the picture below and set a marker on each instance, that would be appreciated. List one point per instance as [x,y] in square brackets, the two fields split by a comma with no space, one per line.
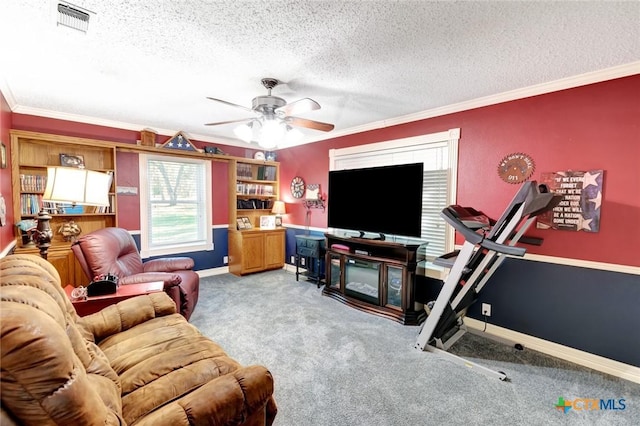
[619,71]
[7,93]
[512,95]
[39,112]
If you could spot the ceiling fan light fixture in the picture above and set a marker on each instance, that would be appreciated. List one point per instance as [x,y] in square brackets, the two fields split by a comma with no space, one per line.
[293,136]
[273,122]
[273,132]
[244,132]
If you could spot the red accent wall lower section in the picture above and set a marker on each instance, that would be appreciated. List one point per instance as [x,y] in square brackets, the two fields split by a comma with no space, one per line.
[584,128]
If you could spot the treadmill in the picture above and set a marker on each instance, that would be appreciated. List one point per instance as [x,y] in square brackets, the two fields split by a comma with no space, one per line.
[486,245]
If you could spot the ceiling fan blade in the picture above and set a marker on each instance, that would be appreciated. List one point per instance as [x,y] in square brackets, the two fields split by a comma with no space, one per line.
[310,124]
[299,106]
[227,122]
[231,104]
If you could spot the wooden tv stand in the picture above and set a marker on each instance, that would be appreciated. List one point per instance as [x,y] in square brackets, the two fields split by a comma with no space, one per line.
[375,276]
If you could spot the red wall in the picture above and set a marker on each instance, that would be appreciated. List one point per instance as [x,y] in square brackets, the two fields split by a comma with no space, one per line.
[6,231]
[585,128]
[127,163]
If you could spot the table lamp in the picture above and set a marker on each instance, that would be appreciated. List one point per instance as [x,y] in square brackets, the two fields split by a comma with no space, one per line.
[70,185]
[279,210]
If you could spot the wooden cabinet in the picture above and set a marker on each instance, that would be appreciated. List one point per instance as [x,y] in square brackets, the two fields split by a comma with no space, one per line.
[255,250]
[31,154]
[63,259]
[274,249]
[310,253]
[253,188]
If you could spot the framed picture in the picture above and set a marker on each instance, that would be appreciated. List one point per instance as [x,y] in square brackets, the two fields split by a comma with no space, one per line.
[3,148]
[313,191]
[243,222]
[278,221]
[72,160]
[267,222]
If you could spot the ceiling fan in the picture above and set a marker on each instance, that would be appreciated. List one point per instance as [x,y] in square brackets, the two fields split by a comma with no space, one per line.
[273,116]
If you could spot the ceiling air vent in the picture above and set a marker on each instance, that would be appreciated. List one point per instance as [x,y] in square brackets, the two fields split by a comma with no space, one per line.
[73,16]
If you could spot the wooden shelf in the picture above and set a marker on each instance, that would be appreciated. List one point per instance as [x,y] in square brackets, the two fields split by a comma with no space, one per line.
[31,154]
[253,250]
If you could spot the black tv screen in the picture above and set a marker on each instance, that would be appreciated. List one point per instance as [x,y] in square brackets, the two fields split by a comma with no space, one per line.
[384,200]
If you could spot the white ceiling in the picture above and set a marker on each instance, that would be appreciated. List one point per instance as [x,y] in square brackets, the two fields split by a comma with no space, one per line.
[151,64]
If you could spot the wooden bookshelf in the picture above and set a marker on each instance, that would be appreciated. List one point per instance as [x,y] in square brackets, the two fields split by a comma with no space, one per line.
[253,188]
[31,154]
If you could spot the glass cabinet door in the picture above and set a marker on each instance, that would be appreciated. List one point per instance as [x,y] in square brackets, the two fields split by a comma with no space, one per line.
[394,286]
[362,279]
[333,280]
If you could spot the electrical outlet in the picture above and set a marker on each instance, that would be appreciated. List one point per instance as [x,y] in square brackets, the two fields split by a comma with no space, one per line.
[225,259]
[293,260]
[486,309]
[302,262]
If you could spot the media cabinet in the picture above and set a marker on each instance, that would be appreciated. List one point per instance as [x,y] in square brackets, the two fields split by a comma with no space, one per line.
[374,276]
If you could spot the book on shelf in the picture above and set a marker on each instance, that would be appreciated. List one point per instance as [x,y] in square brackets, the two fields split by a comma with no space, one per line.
[266,173]
[244,171]
[32,183]
[253,189]
[30,204]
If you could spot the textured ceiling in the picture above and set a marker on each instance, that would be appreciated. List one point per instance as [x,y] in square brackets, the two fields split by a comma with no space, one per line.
[153,63]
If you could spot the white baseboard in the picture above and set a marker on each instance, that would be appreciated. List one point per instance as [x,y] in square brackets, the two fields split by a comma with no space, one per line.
[213,271]
[8,249]
[225,270]
[586,359]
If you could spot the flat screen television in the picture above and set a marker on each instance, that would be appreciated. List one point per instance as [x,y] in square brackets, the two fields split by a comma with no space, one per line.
[382,200]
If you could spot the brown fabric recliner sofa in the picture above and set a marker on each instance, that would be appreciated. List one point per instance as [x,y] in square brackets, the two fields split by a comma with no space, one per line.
[113,250]
[134,363]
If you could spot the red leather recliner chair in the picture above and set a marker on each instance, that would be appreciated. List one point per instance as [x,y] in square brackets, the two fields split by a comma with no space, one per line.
[113,250]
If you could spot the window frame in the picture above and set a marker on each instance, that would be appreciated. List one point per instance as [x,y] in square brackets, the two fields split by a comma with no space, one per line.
[146,250]
[448,139]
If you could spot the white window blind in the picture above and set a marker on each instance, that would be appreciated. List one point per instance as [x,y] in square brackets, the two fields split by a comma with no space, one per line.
[176,205]
[438,152]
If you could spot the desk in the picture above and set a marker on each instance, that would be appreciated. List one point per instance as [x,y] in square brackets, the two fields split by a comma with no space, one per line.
[94,304]
[310,252]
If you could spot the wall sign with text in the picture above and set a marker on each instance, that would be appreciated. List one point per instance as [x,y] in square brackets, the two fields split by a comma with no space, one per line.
[579,209]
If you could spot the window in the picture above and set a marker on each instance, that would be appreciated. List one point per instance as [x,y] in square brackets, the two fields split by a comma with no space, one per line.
[439,154]
[175,211]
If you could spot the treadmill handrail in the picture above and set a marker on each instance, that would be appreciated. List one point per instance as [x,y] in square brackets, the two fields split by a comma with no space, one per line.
[468,233]
[475,238]
[502,248]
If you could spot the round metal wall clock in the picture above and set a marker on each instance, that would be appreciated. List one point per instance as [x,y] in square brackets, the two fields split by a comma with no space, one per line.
[516,167]
[297,187]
